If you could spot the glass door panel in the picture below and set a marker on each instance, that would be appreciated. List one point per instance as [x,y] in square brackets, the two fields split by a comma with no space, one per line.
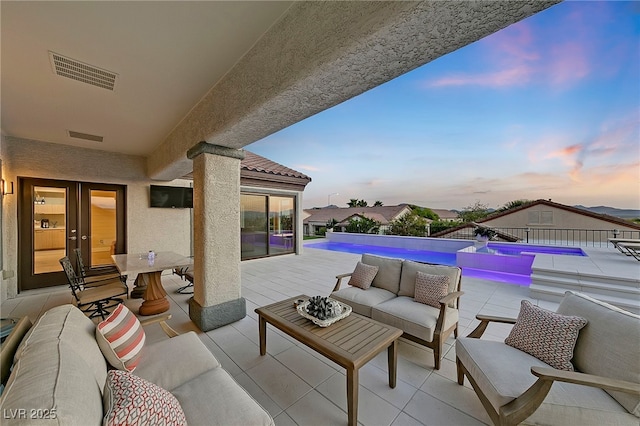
[47,221]
[253,226]
[49,228]
[102,230]
[281,219]
[103,227]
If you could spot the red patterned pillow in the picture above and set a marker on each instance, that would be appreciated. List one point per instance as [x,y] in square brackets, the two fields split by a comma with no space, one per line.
[131,400]
[363,275]
[121,338]
[548,336]
[431,288]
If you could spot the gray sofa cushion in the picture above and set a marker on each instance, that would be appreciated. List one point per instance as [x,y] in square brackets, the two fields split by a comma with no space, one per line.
[412,317]
[410,268]
[53,375]
[388,276]
[361,300]
[160,362]
[608,345]
[232,405]
[504,373]
[68,323]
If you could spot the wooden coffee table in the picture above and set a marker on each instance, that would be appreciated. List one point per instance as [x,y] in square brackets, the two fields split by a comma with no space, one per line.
[351,342]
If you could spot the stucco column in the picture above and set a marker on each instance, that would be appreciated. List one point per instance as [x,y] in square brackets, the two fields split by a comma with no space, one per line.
[216,297]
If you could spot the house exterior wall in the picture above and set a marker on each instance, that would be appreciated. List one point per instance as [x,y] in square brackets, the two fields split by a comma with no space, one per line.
[545,217]
[147,228]
[560,218]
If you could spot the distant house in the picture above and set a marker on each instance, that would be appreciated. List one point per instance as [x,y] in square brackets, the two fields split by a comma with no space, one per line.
[446,215]
[314,219]
[547,221]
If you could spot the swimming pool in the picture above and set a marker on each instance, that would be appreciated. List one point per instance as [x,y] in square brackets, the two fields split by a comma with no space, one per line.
[509,263]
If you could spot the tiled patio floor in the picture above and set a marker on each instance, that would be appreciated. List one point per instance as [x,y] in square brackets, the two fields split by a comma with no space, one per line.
[299,386]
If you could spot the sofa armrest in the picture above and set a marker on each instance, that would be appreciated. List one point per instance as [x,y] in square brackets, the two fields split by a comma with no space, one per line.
[527,403]
[450,297]
[162,320]
[545,373]
[484,322]
[444,303]
[339,278]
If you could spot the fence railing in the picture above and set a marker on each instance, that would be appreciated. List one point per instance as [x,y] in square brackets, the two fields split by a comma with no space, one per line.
[559,237]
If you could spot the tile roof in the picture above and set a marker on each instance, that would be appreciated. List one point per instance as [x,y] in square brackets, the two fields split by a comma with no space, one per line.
[323,215]
[258,163]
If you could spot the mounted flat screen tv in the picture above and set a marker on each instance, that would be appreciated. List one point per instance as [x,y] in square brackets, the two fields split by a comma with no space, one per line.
[174,197]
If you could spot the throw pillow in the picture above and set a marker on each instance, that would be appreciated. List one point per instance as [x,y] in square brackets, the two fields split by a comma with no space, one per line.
[363,275]
[132,400]
[121,339]
[546,335]
[431,288]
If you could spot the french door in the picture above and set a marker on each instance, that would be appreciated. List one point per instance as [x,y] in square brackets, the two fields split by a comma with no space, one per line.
[55,217]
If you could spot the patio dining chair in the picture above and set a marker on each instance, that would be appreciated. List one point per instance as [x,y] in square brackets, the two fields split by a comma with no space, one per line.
[94,301]
[105,275]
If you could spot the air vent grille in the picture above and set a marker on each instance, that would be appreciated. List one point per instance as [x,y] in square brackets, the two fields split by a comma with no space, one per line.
[85,136]
[70,68]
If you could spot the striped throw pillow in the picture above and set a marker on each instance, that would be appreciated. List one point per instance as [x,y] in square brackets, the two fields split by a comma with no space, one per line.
[121,338]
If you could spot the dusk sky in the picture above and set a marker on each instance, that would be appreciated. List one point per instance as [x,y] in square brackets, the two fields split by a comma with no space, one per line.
[546,108]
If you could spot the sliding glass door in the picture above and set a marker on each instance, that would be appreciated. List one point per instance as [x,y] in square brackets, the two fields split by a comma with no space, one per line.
[267,224]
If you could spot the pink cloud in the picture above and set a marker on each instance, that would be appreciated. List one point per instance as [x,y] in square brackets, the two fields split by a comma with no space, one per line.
[518,58]
[567,63]
[508,77]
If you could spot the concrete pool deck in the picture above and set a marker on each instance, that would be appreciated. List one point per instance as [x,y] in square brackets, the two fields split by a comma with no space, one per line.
[604,274]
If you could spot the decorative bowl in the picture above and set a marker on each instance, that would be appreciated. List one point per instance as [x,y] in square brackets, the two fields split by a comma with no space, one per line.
[302,310]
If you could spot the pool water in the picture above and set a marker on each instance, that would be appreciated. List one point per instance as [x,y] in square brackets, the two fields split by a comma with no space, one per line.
[417,255]
[516,250]
[519,272]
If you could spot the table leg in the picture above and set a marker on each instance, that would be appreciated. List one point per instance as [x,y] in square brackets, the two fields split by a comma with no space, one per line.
[352,396]
[392,355]
[140,286]
[262,331]
[155,300]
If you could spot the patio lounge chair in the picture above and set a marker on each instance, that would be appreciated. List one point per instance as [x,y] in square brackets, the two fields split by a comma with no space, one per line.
[617,241]
[630,249]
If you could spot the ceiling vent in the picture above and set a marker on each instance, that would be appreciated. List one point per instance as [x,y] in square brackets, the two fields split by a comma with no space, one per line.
[70,68]
[85,136]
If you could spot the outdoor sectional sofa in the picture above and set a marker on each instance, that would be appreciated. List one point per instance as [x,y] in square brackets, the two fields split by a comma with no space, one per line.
[59,377]
[390,299]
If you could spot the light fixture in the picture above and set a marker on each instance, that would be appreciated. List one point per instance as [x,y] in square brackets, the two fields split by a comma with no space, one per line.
[4,189]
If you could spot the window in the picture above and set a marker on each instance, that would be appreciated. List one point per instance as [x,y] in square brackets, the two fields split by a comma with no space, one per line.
[541,218]
[267,225]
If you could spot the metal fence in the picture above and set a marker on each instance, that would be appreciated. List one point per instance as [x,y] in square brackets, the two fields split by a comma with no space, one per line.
[559,237]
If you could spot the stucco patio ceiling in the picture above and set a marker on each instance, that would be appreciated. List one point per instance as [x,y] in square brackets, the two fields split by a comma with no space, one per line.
[228,73]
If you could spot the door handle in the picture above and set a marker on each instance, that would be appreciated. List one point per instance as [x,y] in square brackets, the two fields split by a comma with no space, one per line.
[73,238]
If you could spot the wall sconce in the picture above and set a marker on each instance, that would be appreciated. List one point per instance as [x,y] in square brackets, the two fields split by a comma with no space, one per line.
[4,189]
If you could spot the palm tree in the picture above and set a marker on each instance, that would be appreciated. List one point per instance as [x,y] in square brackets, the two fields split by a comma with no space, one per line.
[377,203]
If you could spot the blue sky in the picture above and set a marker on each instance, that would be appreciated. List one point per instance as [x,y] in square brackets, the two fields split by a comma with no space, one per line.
[546,108]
